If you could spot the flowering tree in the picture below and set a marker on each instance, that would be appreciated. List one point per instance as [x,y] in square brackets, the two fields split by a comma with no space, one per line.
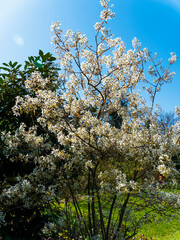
[98,149]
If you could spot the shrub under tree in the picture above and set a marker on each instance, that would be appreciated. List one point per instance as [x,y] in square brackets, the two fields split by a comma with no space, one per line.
[22,223]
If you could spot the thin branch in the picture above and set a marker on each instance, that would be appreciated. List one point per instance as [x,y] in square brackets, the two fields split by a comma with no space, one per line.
[110,215]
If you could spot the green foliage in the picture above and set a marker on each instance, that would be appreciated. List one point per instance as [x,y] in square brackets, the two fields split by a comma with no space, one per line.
[44,63]
[12,84]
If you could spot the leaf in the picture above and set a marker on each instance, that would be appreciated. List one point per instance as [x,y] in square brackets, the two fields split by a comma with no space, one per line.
[47,56]
[31,59]
[1,80]
[5,69]
[5,75]
[5,64]
[52,59]
[41,54]
[18,66]
[57,69]
[38,65]
[14,64]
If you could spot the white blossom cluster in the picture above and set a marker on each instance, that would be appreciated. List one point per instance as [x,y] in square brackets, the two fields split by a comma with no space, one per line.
[173,58]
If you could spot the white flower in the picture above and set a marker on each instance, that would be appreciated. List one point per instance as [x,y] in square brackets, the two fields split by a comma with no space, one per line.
[104,3]
[98,26]
[107,14]
[163,170]
[164,158]
[136,43]
[55,26]
[89,164]
[173,58]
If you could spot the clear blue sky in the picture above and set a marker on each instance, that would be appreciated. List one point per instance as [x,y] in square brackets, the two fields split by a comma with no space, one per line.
[25,28]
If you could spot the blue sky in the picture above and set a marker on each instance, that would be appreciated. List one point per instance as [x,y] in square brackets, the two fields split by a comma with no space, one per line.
[25,28]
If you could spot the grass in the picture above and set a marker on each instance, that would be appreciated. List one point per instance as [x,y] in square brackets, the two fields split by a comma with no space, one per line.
[160,230]
[165,230]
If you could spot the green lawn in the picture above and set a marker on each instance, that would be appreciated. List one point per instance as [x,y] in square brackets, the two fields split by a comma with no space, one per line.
[161,230]
[165,230]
